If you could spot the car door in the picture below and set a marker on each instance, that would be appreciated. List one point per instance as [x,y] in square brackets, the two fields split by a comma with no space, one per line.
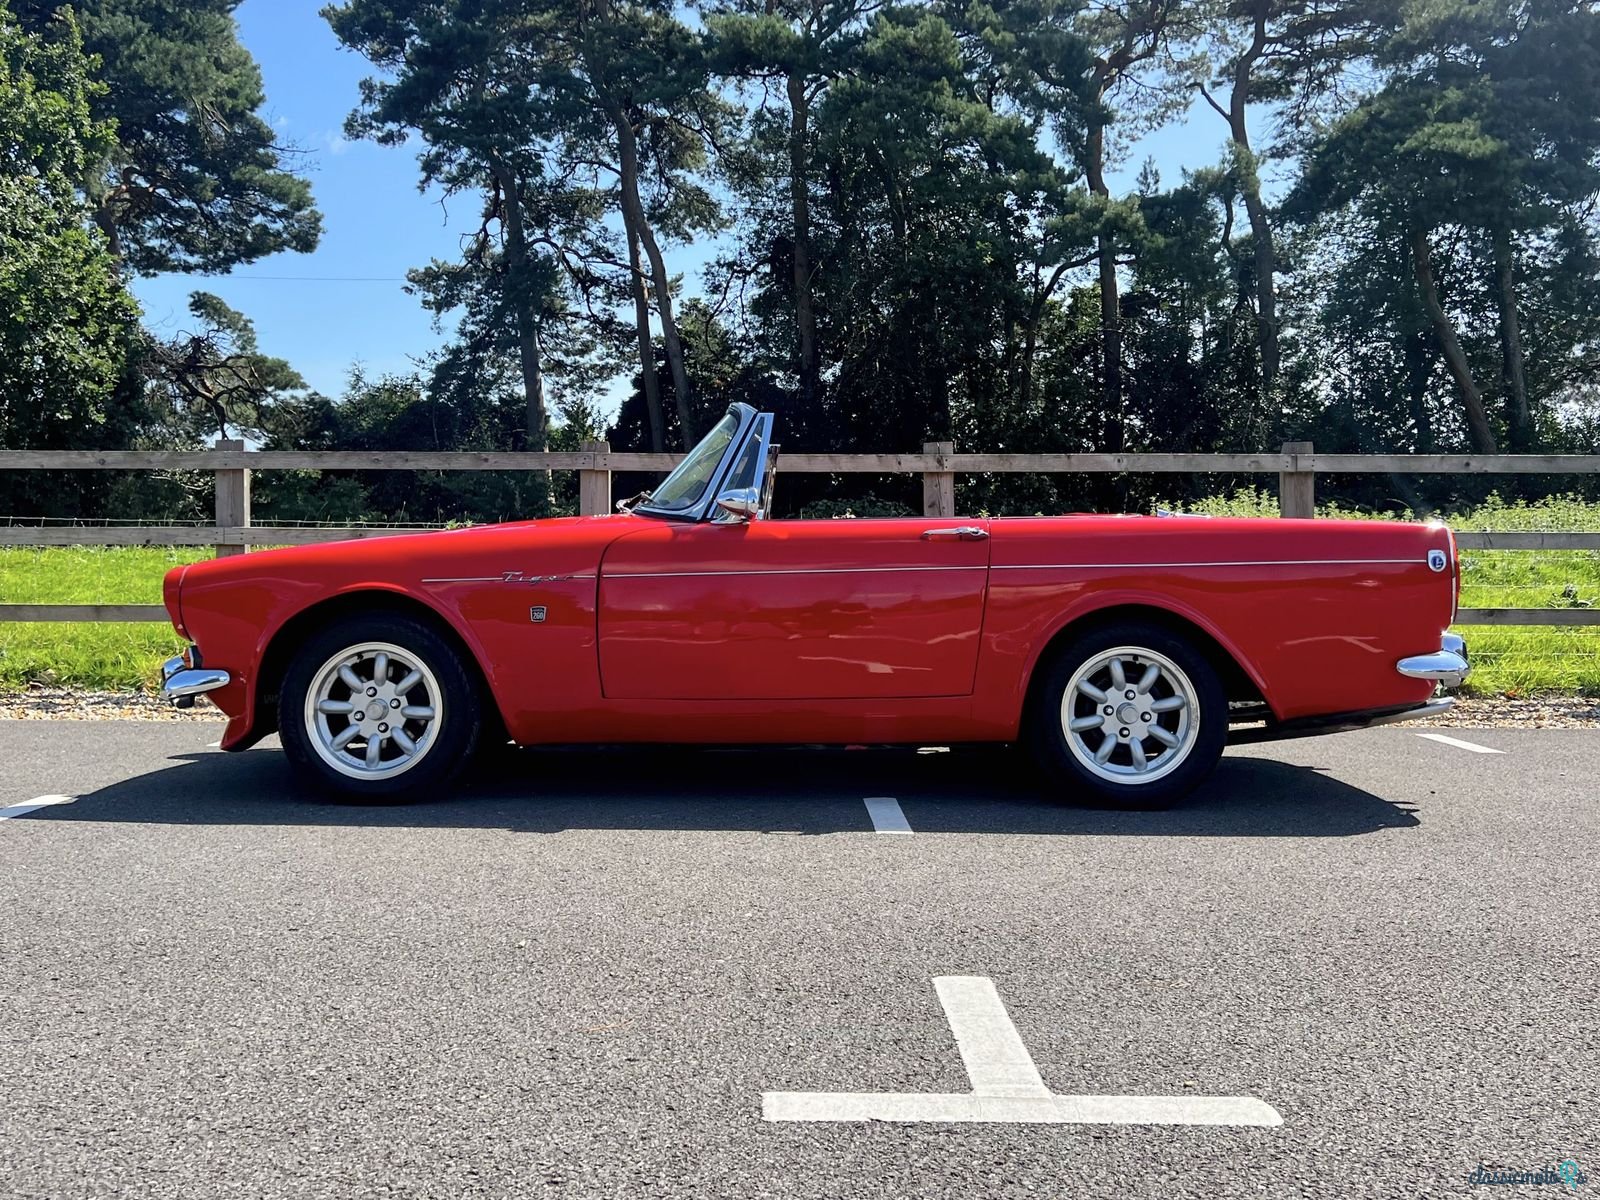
[793,610]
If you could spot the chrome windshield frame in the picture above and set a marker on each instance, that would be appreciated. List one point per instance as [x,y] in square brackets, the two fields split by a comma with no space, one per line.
[761,430]
[707,504]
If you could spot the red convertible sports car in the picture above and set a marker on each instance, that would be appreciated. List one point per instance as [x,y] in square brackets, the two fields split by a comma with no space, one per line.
[1123,651]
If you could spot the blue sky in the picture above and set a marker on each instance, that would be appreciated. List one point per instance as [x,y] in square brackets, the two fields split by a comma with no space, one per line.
[344,304]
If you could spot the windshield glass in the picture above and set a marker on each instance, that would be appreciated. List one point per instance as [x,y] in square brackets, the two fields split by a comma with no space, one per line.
[686,485]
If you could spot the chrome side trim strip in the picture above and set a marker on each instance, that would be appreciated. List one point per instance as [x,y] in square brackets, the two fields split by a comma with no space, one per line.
[1101,566]
[1247,562]
[508,577]
[783,571]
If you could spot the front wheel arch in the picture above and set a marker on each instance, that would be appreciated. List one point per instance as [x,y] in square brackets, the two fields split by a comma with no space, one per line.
[294,633]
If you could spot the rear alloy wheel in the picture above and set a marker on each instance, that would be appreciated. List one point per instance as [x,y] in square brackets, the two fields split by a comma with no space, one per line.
[1129,716]
[378,708]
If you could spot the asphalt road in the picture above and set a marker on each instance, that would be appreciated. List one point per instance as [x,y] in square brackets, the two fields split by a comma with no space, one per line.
[579,976]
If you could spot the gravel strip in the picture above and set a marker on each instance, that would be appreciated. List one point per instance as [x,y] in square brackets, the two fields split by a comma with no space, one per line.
[1523,712]
[66,704]
[69,704]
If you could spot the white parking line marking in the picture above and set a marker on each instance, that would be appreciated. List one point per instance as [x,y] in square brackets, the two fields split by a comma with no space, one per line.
[1006,1085]
[1459,744]
[886,815]
[997,1062]
[213,745]
[38,802]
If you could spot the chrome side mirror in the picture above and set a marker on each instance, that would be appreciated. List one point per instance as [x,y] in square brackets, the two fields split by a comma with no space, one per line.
[740,504]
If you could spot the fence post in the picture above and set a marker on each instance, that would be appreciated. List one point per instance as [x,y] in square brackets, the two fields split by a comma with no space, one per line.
[1297,490]
[939,487]
[233,499]
[594,485]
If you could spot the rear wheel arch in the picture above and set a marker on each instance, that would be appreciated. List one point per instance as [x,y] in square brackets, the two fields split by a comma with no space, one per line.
[1238,680]
[294,633]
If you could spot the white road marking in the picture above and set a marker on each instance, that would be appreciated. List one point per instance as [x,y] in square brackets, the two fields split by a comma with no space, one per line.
[213,745]
[997,1062]
[1006,1086]
[38,802]
[1459,744]
[886,815]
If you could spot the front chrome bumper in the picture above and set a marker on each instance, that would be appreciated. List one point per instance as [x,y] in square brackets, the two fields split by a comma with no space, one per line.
[1447,665]
[181,683]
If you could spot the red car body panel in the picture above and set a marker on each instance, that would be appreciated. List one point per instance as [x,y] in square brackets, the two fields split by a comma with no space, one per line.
[790,610]
[840,631]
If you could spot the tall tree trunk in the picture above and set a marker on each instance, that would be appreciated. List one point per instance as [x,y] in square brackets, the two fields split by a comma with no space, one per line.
[1518,414]
[1030,331]
[519,287]
[1250,189]
[634,218]
[1266,290]
[1030,347]
[1419,366]
[647,354]
[800,200]
[106,219]
[1454,356]
[1110,297]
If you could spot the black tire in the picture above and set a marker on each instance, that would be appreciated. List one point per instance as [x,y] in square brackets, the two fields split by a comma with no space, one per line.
[452,733]
[1068,777]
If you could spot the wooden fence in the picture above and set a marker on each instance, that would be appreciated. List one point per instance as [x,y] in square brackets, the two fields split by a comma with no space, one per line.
[1296,466]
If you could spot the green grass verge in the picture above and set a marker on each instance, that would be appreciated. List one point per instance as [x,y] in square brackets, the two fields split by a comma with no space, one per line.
[1514,661]
[103,656]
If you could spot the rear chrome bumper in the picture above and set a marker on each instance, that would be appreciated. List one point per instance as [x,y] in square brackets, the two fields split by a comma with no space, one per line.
[181,683]
[1447,665]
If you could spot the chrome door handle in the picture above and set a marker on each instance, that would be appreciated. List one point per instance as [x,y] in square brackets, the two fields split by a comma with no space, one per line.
[959,533]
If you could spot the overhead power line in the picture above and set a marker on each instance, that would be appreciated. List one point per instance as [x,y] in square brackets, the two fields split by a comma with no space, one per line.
[318,278]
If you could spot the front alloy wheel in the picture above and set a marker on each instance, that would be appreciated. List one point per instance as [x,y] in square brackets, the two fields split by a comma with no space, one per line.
[1128,716]
[379,707]
[373,710]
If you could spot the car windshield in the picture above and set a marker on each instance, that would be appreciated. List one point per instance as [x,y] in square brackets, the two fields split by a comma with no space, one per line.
[685,487]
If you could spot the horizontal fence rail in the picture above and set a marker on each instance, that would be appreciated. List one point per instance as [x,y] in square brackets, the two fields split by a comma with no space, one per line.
[826,464]
[1296,465]
[197,535]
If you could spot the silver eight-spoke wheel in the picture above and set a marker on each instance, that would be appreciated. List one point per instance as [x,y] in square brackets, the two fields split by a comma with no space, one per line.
[1130,715]
[373,711]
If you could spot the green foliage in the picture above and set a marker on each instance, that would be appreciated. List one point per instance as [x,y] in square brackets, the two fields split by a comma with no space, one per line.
[400,413]
[130,141]
[866,506]
[66,322]
[195,179]
[216,377]
[914,210]
[557,112]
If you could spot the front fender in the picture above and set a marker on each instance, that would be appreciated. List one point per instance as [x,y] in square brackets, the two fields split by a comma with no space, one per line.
[239,627]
